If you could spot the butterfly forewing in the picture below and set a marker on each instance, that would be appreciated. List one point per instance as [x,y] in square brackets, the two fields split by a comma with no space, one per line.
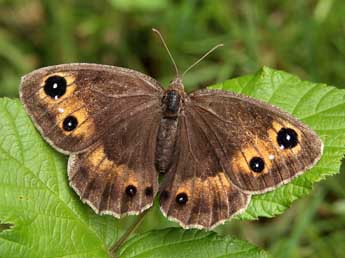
[74,105]
[259,146]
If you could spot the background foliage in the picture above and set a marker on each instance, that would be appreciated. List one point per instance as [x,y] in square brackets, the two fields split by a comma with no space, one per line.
[303,37]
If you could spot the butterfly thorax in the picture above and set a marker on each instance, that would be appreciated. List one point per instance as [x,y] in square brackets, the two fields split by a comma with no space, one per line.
[172,102]
[172,98]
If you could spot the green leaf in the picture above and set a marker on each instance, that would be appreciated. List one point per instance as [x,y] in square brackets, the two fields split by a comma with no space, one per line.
[40,215]
[320,106]
[178,243]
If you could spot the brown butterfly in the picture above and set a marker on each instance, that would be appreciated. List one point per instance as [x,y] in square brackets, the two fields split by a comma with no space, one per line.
[121,129]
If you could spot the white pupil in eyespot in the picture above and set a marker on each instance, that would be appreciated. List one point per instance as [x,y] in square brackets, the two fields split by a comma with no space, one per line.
[55,85]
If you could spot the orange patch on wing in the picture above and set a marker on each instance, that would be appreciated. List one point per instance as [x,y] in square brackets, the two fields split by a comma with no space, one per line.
[219,181]
[74,107]
[261,149]
[86,126]
[68,107]
[132,176]
[187,186]
[99,161]
[102,165]
[267,149]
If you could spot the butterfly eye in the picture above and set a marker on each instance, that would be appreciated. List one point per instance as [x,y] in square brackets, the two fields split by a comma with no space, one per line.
[70,123]
[182,198]
[287,138]
[131,190]
[55,86]
[257,164]
[149,191]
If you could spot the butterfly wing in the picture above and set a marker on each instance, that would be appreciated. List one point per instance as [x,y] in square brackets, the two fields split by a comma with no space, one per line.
[107,119]
[259,146]
[196,191]
[229,147]
[117,176]
[92,98]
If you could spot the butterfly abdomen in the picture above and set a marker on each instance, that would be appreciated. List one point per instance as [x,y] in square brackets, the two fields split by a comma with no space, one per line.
[166,140]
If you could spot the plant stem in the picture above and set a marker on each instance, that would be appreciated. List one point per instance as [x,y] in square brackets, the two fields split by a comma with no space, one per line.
[113,249]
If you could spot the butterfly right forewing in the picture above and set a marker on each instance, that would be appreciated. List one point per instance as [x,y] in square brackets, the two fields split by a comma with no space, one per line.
[259,146]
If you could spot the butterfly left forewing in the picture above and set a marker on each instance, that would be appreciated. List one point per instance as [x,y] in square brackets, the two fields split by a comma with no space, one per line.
[73,105]
[259,146]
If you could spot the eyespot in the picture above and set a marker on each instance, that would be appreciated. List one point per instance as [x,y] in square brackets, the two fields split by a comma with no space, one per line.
[70,123]
[131,190]
[257,164]
[55,86]
[287,138]
[149,191]
[182,198]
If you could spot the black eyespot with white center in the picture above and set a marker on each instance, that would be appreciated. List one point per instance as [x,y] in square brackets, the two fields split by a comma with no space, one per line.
[287,138]
[131,190]
[55,86]
[70,123]
[257,164]
[182,198]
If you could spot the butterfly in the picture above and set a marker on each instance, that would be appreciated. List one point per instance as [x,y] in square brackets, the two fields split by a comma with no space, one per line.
[122,130]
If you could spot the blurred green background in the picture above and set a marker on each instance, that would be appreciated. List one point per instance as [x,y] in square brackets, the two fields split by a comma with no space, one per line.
[303,37]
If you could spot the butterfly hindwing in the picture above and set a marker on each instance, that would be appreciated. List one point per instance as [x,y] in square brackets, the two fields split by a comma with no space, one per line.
[118,176]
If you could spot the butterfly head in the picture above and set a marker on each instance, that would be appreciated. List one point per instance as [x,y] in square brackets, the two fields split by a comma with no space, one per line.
[176,84]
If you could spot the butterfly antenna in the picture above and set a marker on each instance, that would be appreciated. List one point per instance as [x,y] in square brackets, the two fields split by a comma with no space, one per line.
[201,58]
[167,49]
